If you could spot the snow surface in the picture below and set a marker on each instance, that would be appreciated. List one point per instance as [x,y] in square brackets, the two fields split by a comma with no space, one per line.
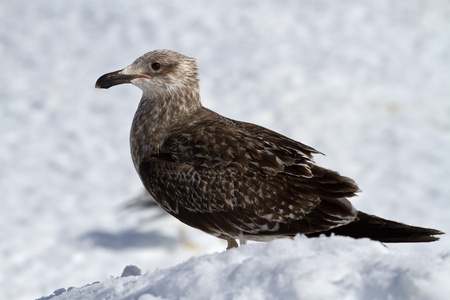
[338,268]
[364,82]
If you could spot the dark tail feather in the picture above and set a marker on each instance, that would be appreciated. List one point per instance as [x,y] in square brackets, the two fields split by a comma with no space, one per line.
[378,229]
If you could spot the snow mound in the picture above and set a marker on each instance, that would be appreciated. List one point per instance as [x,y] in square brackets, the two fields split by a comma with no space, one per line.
[321,268]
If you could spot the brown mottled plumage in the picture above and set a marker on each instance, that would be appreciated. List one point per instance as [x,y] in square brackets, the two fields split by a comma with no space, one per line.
[232,179]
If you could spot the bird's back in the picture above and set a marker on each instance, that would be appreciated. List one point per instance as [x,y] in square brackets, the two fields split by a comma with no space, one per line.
[238,179]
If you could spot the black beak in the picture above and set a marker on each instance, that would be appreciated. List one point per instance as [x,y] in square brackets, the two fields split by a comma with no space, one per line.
[114,78]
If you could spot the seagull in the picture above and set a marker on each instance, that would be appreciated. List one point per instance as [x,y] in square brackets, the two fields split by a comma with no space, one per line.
[232,179]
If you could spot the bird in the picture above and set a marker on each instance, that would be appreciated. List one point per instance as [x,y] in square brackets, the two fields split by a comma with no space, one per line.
[232,179]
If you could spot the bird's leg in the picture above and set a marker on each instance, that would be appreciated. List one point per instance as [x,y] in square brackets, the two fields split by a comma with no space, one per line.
[243,241]
[232,244]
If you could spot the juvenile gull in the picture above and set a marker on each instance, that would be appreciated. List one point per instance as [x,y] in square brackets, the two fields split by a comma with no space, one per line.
[232,179]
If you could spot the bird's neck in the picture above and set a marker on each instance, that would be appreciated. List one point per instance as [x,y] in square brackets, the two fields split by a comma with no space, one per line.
[155,117]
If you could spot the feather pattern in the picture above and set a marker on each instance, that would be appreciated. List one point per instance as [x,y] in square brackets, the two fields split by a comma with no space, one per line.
[213,165]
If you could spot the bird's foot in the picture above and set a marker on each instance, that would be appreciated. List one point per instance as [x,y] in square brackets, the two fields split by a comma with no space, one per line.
[232,244]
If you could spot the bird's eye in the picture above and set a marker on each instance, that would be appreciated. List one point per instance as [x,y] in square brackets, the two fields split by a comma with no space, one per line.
[156,66]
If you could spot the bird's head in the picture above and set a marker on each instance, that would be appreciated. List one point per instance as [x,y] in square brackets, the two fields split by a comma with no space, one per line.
[158,74]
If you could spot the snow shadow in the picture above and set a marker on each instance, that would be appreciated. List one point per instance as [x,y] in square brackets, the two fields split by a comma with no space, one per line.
[128,239]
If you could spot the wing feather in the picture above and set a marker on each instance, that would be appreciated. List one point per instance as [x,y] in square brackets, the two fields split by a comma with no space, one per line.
[245,176]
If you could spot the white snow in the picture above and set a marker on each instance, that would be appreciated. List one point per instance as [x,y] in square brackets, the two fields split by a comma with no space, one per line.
[364,82]
[324,268]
